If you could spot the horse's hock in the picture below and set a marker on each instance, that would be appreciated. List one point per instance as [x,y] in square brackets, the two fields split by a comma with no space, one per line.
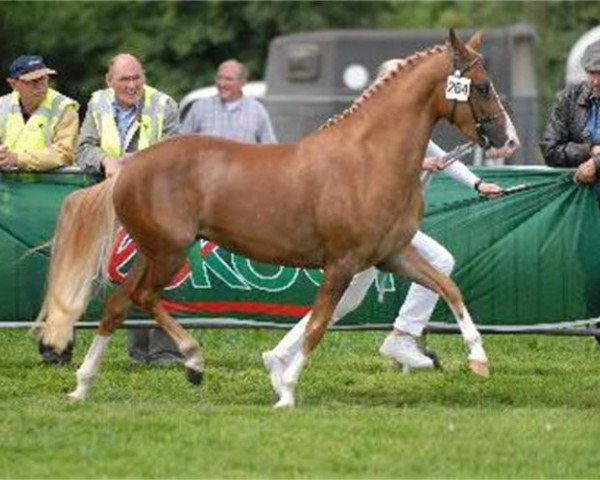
[313,76]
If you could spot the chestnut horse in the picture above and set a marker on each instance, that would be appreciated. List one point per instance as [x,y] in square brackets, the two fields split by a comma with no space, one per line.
[343,199]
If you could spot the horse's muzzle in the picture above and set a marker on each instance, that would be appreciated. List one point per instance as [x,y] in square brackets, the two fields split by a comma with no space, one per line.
[52,357]
[506,151]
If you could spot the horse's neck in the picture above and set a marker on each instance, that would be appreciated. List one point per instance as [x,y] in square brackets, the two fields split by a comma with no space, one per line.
[400,117]
[405,116]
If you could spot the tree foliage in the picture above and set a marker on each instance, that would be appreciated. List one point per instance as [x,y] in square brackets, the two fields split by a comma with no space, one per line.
[182,42]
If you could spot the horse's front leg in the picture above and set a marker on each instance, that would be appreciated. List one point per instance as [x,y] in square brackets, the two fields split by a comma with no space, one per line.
[117,307]
[277,360]
[410,264]
[336,279]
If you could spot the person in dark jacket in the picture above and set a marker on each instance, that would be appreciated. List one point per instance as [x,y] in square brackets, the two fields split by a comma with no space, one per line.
[571,138]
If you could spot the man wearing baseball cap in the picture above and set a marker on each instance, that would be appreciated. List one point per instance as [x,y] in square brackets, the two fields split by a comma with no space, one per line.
[572,135]
[38,125]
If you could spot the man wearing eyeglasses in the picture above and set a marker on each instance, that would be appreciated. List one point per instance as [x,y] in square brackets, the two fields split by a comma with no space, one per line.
[38,125]
[230,114]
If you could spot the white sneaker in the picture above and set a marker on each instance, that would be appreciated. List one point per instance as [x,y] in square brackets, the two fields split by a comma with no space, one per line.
[404,349]
[275,366]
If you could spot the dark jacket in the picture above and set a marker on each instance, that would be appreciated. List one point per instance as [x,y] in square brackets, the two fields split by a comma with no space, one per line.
[564,142]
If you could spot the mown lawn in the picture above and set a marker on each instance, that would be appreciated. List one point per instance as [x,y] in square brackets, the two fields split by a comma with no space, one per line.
[538,416]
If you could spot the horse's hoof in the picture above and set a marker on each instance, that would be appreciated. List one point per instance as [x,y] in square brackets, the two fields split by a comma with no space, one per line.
[479,368]
[50,357]
[284,404]
[287,398]
[76,396]
[194,376]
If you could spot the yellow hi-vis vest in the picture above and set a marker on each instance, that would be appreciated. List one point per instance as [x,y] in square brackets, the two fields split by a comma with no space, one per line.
[36,133]
[149,124]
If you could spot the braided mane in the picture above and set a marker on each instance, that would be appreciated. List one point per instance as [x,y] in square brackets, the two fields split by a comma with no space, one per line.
[387,71]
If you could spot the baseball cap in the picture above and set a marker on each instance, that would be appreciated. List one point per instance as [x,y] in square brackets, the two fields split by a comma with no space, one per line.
[29,67]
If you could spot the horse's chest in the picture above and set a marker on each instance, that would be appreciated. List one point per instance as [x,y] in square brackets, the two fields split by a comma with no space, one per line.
[397,208]
[399,222]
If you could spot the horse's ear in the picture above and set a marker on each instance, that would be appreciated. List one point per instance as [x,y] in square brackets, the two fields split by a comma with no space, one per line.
[456,44]
[475,42]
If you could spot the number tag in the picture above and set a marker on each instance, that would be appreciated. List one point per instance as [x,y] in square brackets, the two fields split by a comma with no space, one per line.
[458,88]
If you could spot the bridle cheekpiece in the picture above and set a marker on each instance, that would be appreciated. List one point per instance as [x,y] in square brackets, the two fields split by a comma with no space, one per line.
[458,89]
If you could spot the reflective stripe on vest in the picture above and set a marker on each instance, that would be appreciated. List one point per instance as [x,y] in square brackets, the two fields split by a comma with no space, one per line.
[36,133]
[150,123]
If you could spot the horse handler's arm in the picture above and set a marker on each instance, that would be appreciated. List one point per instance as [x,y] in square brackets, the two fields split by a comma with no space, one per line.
[460,172]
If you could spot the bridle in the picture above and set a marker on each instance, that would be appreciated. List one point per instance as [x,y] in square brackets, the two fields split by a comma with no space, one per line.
[480,122]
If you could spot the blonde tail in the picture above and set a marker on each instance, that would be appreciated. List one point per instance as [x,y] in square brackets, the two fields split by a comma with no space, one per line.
[85,230]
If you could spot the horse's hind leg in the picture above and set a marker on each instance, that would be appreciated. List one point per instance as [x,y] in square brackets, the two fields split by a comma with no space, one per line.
[146,295]
[117,307]
[410,264]
[336,280]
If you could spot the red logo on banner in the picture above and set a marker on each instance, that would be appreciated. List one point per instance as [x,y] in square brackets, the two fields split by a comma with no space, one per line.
[121,255]
[121,260]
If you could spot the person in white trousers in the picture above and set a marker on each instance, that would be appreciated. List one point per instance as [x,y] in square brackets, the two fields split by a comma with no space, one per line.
[402,342]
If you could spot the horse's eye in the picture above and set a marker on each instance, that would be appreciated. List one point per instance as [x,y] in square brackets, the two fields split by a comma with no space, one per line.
[482,88]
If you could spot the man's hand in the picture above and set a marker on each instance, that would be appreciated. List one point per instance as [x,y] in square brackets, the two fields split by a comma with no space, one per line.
[586,172]
[8,159]
[490,190]
[111,166]
[433,164]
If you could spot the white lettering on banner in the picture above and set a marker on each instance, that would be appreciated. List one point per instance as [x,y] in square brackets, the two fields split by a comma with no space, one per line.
[282,279]
[218,266]
[205,265]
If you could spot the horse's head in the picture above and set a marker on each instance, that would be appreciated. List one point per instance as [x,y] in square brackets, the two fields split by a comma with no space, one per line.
[472,103]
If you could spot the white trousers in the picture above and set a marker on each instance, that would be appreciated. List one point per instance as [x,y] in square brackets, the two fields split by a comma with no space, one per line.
[414,312]
[420,301]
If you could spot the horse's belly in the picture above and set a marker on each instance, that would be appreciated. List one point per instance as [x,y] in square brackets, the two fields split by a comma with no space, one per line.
[277,247]
[307,235]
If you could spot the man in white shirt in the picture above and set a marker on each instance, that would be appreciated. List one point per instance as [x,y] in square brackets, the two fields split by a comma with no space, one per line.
[230,114]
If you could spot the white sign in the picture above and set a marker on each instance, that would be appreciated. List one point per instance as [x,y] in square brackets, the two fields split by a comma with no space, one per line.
[458,88]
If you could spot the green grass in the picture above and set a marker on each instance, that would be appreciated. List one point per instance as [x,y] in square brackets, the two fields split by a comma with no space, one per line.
[538,416]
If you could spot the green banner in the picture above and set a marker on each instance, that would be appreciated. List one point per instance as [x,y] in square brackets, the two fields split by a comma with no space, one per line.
[524,259]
